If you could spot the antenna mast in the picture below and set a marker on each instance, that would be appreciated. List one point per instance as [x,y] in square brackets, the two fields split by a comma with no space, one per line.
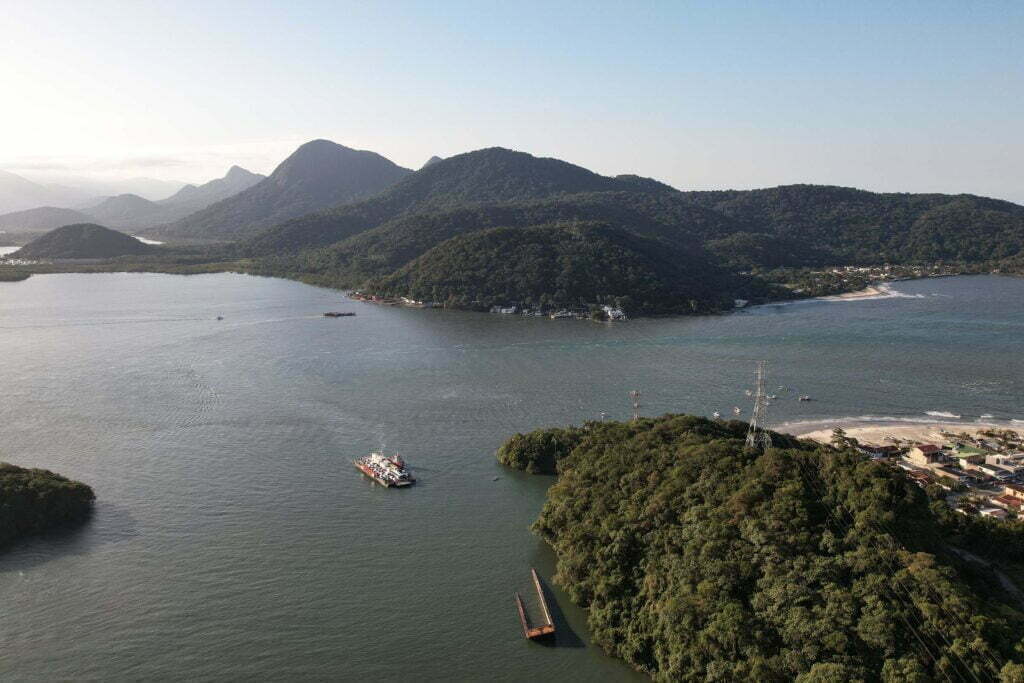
[635,397]
[757,433]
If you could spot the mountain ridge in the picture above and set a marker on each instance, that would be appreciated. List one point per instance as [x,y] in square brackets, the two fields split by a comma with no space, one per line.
[318,174]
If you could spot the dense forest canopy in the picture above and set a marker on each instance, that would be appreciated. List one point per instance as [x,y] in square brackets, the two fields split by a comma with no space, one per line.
[568,265]
[33,501]
[699,559]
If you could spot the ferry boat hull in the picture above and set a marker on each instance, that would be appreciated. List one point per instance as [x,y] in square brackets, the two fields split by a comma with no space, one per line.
[386,483]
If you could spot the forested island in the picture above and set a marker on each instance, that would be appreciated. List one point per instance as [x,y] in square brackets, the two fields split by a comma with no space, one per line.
[698,558]
[33,501]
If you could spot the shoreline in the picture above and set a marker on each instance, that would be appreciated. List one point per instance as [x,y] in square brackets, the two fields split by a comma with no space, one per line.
[882,431]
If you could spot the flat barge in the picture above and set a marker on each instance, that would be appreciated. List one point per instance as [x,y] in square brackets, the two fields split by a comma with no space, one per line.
[543,630]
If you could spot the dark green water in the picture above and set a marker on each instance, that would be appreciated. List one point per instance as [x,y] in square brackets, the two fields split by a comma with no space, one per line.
[232,537]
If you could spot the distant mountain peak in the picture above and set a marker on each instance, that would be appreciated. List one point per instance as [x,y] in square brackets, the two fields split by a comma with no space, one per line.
[432,160]
[319,174]
[237,171]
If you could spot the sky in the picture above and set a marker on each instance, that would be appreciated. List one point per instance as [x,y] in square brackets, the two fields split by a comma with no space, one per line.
[887,96]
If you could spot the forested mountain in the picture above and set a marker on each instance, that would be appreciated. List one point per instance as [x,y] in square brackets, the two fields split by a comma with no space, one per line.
[487,175]
[83,241]
[192,198]
[700,559]
[373,244]
[319,174]
[33,501]
[840,225]
[559,265]
[41,219]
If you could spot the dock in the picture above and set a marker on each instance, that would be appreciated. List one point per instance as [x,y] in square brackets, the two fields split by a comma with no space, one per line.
[542,630]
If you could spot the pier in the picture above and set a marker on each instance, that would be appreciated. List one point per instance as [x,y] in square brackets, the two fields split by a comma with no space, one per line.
[544,629]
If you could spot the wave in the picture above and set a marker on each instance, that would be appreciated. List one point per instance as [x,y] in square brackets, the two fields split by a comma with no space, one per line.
[939,413]
[828,423]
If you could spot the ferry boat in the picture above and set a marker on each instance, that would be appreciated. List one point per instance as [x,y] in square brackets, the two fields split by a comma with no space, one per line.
[338,314]
[388,472]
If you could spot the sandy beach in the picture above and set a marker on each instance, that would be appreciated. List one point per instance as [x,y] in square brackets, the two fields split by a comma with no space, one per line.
[882,433]
[870,292]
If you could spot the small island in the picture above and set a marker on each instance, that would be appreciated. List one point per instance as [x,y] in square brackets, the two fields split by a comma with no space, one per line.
[699,558]
[83,241]
[33,501]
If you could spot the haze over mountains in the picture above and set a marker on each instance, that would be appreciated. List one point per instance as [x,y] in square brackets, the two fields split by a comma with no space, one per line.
[131,211]
[319,174]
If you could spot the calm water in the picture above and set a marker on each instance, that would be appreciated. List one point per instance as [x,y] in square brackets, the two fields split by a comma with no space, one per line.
[234,539]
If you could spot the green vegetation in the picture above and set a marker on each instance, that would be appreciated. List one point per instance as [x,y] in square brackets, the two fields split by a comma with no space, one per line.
[13,274]
[567,265]
[83,241]
[699,559]
[33,501]
[539,452]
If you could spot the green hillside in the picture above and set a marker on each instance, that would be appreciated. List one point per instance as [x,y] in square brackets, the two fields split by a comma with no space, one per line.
[83,241]
[566,265]
[699,559]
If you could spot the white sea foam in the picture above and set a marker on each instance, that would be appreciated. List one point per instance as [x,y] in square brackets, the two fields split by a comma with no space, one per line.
[939,413]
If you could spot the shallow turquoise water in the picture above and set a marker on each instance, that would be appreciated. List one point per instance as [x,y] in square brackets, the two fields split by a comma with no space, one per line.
[233,538]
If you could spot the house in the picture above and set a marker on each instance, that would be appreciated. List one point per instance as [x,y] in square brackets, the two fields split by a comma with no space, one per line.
[996,472]
[1008,503]
[923,455]
[992,512]
[967,454]
[1015,490]
[957,475]
[876,451]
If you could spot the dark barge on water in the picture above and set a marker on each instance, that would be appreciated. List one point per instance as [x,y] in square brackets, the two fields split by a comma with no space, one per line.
[338,314]
[542,630]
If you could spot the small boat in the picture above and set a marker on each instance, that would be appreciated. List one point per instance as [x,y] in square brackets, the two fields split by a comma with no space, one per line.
[736,410]
[338,314]
[805,398]
[220,317]
[716,415]
[748,392]
[772,397]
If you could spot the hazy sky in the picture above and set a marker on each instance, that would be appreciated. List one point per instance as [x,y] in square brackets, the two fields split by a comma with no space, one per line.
[895,95]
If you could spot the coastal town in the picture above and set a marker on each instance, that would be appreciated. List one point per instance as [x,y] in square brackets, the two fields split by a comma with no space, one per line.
[979,472]
[592,312]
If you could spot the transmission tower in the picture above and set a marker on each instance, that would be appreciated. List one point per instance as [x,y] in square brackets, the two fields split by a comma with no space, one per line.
[757,433]
[635,398]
